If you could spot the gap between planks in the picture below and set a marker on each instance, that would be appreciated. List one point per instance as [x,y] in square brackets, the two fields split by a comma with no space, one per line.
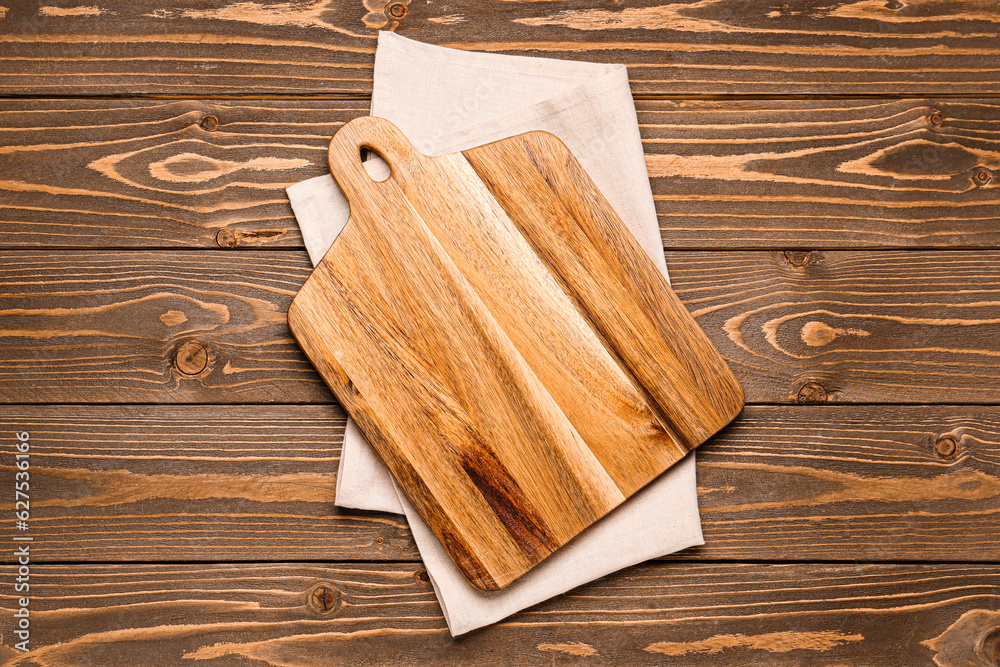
[733,97]
[665,560]
[673,248]
[773,404]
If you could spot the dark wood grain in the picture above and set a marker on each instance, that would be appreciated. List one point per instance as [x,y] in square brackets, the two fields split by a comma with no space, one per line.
[852,482]
[681,47]
[221,483]
[153,327]
[665,614]
[745,174]
[209,327]
[129,173]
[156,482]
[855,327]
[831,174]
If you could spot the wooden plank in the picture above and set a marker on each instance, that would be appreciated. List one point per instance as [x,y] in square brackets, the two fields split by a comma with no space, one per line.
[142,173]
[209,327]
[664,614]
[850,326]
[852,482]
[675,47]
[743,174]
[210,483]
[153,327]
[829,174]
[173,483]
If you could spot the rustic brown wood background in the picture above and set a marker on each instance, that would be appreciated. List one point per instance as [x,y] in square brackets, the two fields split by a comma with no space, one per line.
[827,178]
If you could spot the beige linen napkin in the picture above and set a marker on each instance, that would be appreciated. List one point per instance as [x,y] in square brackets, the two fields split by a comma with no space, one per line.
[446,100]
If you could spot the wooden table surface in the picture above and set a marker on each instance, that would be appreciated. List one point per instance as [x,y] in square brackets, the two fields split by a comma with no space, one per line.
[826,175]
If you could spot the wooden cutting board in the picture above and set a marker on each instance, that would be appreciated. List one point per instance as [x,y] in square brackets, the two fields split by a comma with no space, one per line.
[504,344]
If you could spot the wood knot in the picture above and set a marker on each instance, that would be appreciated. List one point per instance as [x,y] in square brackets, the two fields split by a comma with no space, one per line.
[812,392]
[191,358]
[209,123]
[946,447]
[172,318]
[422,576]
[973,639]
[981,177]
[324,598]
[936,118]
[894,4]
[818,334]
[225,238]
[384,14]
[801,258]
[988,647]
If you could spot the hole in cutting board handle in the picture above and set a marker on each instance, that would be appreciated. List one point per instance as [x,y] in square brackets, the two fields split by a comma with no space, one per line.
[373,162]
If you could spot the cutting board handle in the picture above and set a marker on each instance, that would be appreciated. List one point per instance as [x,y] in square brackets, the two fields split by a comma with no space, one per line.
[344,154]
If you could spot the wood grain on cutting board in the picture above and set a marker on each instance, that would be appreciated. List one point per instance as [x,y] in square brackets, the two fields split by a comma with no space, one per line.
[521,376]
